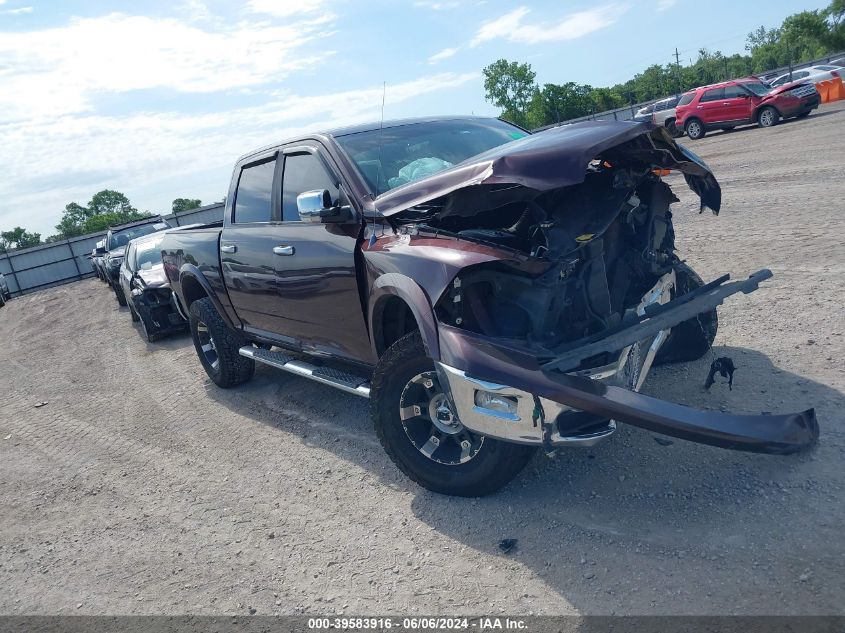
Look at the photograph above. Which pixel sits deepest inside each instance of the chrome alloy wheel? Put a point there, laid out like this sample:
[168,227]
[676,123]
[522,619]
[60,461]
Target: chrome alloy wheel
[431,425]
[767,118]
[694,129]
[207,345]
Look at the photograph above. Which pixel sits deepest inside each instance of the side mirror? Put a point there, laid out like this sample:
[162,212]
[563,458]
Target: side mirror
[316,206]
[101,250]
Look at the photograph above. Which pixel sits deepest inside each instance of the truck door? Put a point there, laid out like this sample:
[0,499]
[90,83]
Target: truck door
[246,246]
[316,280]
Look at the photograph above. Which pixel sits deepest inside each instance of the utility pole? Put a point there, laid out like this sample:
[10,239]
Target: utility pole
[678,70]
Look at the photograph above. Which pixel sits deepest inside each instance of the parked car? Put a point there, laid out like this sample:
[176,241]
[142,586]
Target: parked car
[114,248]
[97,261]
[663,115]
[5,295]
[742,102]
[644,113]
[816,74]
[490,291]
[147,290]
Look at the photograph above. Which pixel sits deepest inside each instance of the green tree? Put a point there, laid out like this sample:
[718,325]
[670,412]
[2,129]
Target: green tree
[510,86]
[18,238]
[185,204]
[106,206]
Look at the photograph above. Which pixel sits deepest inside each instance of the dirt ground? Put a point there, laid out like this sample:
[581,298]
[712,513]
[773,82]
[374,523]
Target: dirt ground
[142,488]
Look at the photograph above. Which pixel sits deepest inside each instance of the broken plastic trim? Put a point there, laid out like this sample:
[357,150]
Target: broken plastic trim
[656,318]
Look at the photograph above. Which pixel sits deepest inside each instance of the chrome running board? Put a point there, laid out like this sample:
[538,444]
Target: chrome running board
[336,378]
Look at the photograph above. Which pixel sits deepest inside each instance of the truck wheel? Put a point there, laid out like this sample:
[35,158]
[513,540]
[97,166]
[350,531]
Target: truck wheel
[423,436]
[217,346]
[691,339]
[768,117]
[695,129]
[118,294]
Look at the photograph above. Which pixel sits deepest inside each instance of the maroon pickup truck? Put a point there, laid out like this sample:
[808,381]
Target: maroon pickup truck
[490,290]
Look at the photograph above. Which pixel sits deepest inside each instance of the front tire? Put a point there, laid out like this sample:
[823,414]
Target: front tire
[691,339]
[768,117]
[424,438]
[217,346]
[695,129]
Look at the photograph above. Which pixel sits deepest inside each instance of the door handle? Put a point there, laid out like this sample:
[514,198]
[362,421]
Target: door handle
[284,250]
[229,248]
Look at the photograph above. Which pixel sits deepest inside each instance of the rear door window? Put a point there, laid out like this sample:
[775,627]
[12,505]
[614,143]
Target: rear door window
[254,196]
[734,92]
[714,94]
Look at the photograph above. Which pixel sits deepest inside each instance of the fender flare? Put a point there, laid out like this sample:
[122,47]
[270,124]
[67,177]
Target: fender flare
[189,271]
[398,285]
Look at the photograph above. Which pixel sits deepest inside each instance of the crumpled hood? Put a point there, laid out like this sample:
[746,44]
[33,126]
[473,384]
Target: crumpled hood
[789,86]
[548,160]
[153,277]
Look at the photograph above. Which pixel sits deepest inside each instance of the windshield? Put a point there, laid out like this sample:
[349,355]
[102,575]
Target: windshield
[396,155]
[757,87]
[122,238]
[148,252]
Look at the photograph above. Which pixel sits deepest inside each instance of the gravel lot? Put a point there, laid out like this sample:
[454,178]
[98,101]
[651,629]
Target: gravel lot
[142,488]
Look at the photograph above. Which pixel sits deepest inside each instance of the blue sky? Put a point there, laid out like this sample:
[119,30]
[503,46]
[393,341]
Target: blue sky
[157,99]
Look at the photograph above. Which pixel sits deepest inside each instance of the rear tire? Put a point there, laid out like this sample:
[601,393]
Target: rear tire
[691,339]
[695,129]
[768,117]
[217,346]
[459,462]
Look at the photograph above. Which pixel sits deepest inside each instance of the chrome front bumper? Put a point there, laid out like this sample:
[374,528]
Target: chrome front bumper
[533,419]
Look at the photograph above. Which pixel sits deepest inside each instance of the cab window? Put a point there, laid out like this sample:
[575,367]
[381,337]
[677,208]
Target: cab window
[254,195]
[303,172]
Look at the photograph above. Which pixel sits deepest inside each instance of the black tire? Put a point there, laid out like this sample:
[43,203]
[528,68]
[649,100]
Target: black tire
[493,463]
[768,117]
[221,362]
[691,339]
[118,294]
[673,129]
[694,129]
[2,300]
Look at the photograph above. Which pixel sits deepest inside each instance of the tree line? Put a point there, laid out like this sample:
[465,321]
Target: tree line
[801,37]
[106,208]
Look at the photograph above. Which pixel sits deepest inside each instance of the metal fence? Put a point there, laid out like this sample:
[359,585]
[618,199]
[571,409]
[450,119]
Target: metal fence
[627,113]
[69,260]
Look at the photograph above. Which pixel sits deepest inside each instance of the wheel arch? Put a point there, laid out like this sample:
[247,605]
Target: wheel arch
[398,305]
[194,286]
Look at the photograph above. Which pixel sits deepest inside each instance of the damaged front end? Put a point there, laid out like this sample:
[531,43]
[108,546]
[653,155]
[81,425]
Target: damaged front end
[550,342]
[155,304]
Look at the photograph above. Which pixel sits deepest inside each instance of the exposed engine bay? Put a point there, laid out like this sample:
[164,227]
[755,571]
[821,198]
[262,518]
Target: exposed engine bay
[607,241]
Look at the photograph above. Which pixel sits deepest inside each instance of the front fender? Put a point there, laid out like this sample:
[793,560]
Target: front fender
[402,286]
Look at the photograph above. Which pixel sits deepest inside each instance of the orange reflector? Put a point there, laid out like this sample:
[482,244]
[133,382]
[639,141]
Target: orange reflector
[662,172]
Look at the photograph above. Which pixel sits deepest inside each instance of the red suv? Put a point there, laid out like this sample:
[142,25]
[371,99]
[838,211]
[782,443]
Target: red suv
[743,102]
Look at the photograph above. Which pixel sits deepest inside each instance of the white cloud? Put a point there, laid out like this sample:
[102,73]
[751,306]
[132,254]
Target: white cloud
[17,11]
[663,5]
[56,71]
[151,156]
[446,53]
[284,8]
[512,28]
